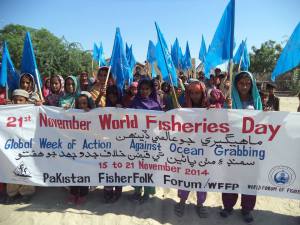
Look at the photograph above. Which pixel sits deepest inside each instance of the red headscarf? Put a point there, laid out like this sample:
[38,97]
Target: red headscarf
[195,86]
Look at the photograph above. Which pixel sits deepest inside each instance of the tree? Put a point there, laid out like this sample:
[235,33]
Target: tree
[263,59]
[53,55]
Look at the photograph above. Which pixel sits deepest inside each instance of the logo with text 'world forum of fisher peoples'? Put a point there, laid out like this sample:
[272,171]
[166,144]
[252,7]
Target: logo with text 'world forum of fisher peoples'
[282,176]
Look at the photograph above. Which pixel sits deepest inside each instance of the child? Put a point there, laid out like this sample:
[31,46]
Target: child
[56,90]
[46,87]
[27,83]
[195,97]
[98,90]
[145,99]
[68,99]
[245,95]
[130,94]
[16,191]
[216,98]
[273,101]
[85,83]
[78,193]
[113,99]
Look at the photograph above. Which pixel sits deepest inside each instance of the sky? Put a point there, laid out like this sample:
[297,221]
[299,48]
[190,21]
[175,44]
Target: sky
[89,21]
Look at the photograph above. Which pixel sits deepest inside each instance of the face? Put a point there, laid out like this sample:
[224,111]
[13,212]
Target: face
[26,83]
[145,91]
[47,84]
[217,81]
[84,79]
[271,91]
[133,90]
[113,98]
[178,90]
[83,102]
[166,88]
[19,99]
[244,86]
[196,96]
[156,85]
[70,86]
[102,76]
[55,85]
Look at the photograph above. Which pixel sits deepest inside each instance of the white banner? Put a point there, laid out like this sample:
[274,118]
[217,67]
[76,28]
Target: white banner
[233,151]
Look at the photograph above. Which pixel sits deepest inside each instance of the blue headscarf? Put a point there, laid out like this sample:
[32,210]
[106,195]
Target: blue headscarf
[236,101]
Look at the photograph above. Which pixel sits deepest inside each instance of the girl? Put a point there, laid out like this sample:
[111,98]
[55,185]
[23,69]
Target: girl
[145,99]
[130,94]
[68,99]
[78,193]
[195,97]
[27,83]
[46,87]
[98,90]
[56,90]
[113,99]
[245,95]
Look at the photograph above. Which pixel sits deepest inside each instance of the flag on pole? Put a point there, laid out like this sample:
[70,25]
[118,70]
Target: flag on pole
[151,58]
[101,60]
[96,53]
[119,64]
[177,55]
[241,56]
[290,55]
[202,53]
[9,77]
[28,64]
[187,58]
[222,45]
[164,59]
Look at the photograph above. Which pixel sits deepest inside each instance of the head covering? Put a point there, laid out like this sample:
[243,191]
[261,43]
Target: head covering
[68,99]
[236,101]
[20,92]
[45,90]
[271,85]
[53,98]
[33,86]
[196,85]
[216,97]
[33,95]
[150,103]
[91,102]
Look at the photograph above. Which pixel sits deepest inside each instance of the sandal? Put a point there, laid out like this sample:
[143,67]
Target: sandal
[201,211]
[226,212]
[179,209]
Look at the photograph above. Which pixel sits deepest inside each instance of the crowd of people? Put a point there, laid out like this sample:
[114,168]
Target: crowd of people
[86,93]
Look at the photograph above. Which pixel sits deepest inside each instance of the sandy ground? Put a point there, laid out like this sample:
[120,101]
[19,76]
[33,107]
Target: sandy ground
[48,207]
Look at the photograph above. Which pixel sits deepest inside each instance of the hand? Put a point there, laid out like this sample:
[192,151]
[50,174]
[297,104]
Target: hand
[229,103]
[103,91]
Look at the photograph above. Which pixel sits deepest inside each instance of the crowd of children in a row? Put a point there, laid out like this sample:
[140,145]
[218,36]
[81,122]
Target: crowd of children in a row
[83,93]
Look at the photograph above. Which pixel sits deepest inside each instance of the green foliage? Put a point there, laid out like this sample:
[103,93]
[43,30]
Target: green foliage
[263,59]
[53,55]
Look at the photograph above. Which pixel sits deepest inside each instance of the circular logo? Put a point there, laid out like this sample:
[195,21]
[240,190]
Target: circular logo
[282,176]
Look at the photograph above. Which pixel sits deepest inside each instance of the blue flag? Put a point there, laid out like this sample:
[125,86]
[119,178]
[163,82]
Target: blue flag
[202,53]
[187,58]
[222,45]
[241,57]
[101,60]
[8,77]
[119,64]
[290,55]
[28,64]
[164,60]
[127,51]
[151,58]
[96,53]
[131,59]
[177,55]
